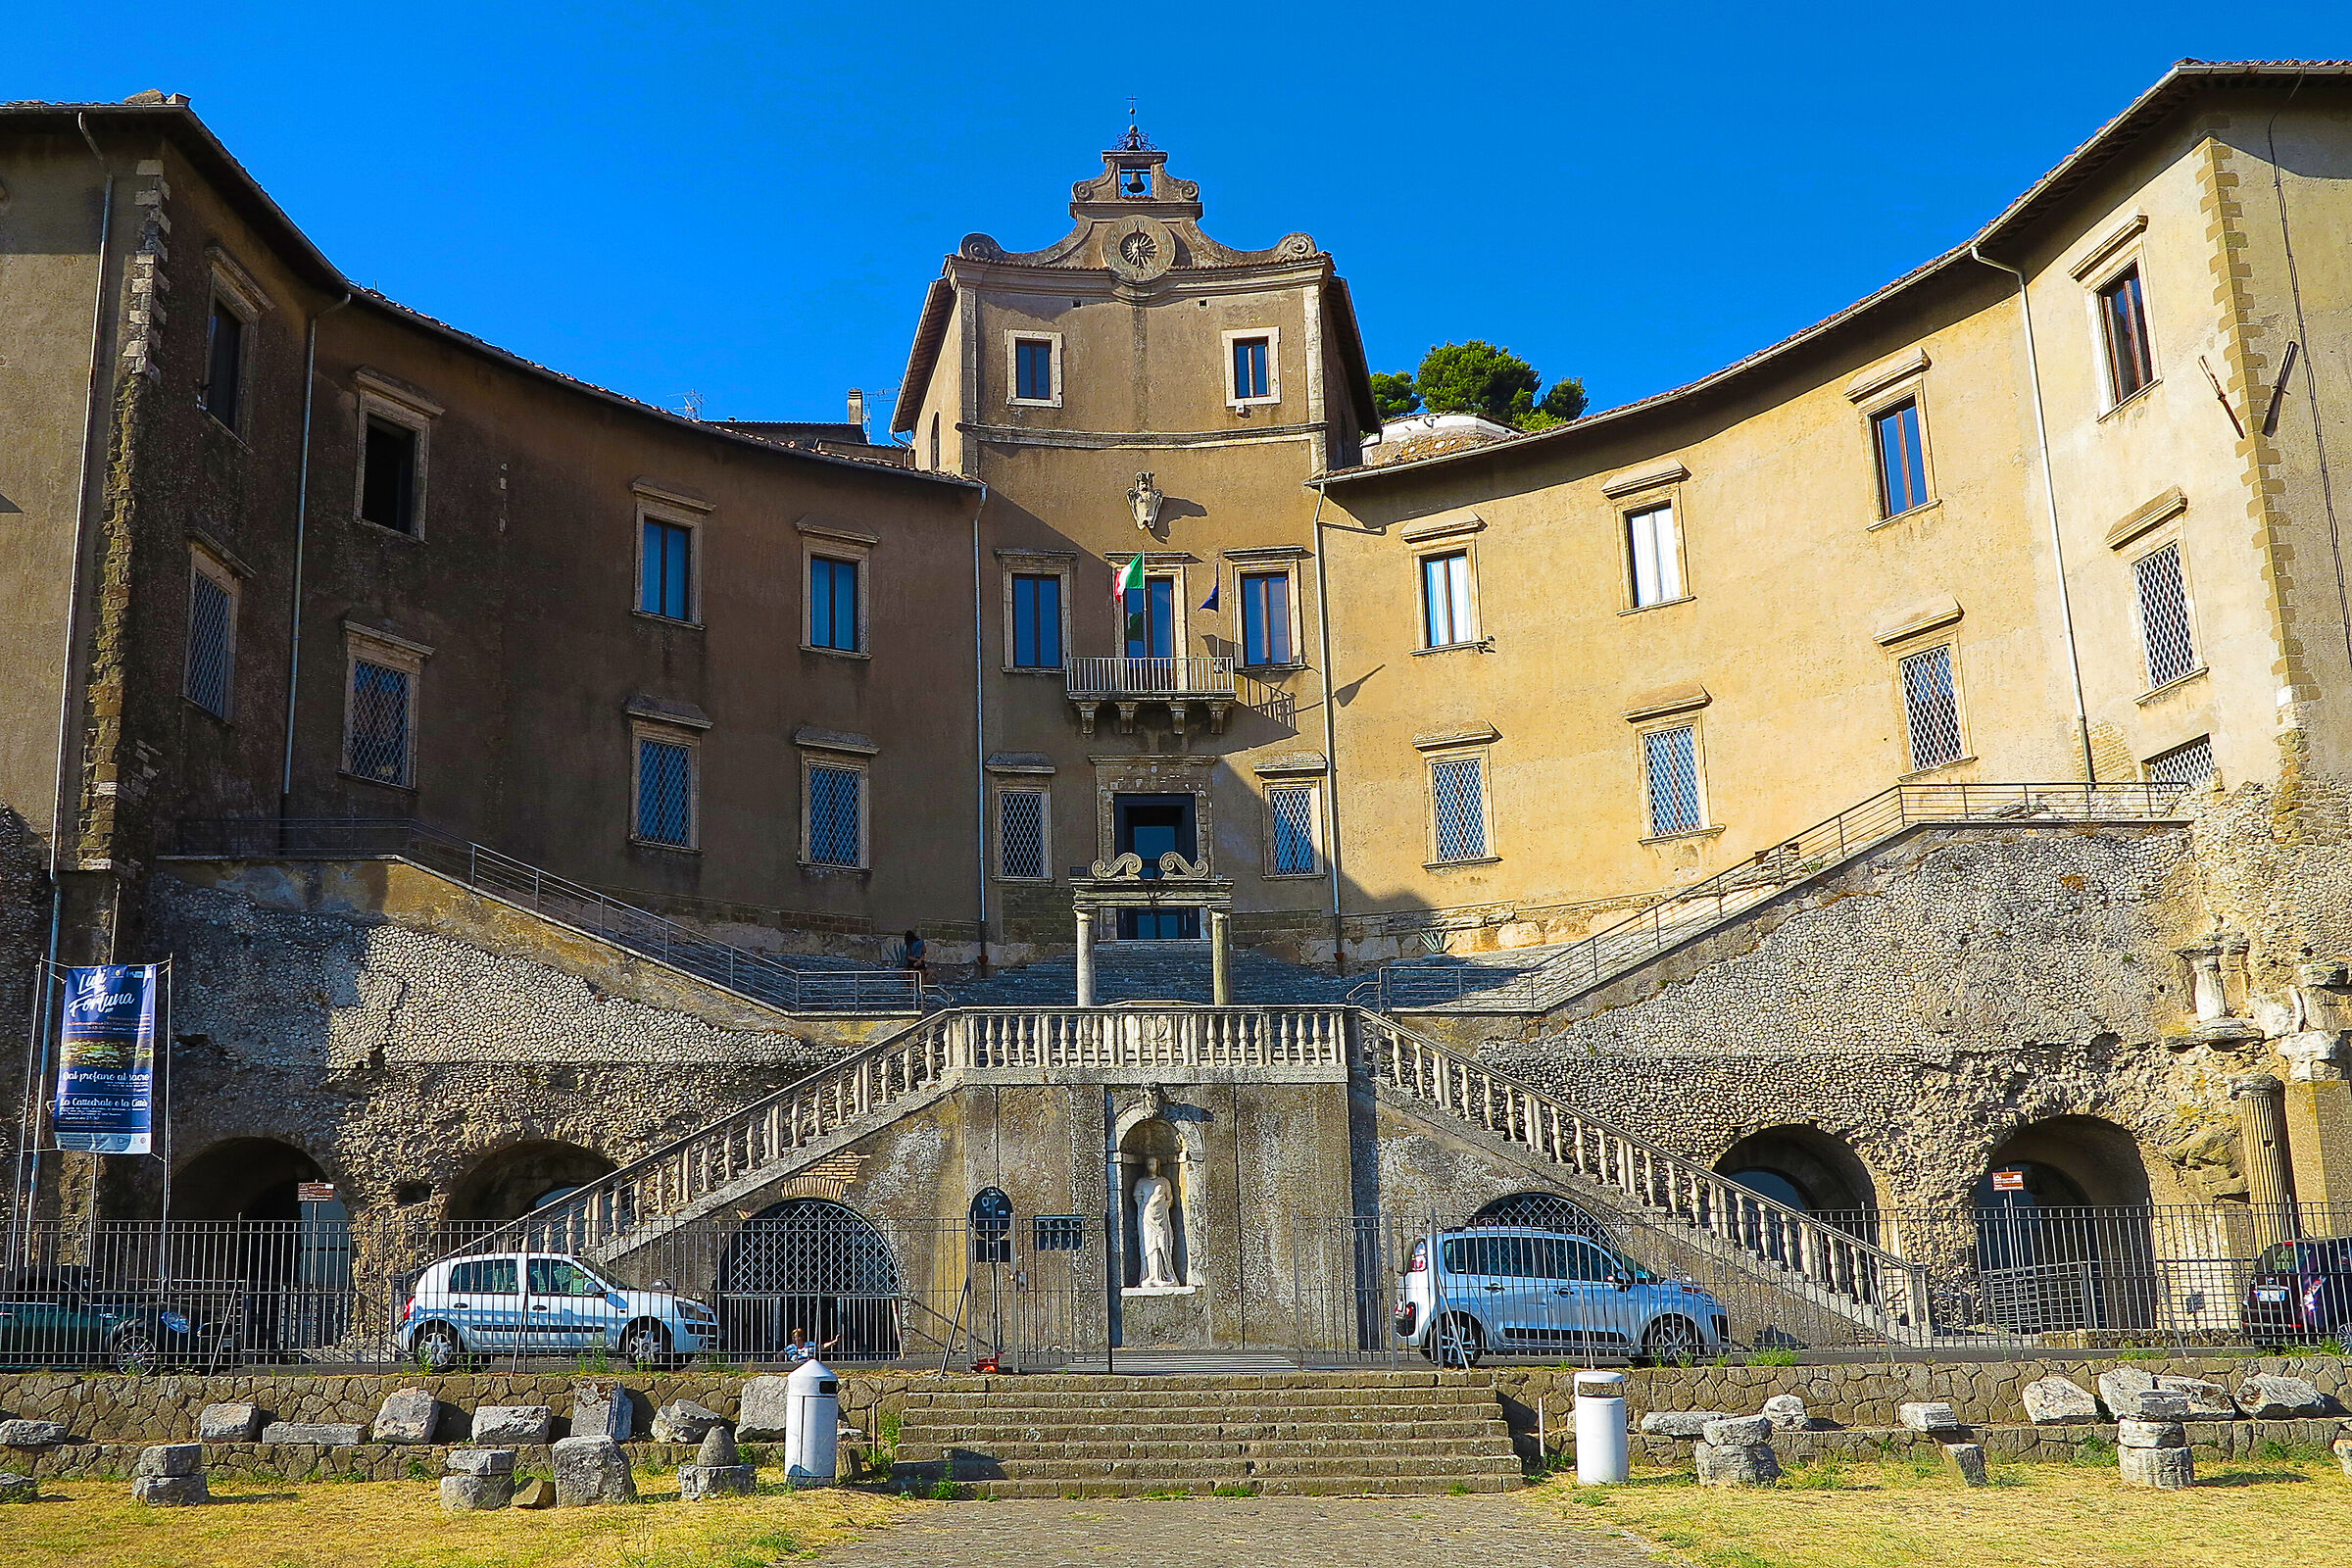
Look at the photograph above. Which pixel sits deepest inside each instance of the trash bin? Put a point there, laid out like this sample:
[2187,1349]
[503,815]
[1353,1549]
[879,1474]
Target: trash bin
[1600,1443]
[813,1425]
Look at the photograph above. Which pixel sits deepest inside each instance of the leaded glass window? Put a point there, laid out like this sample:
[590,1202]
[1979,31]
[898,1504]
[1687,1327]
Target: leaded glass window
[1458,785]
[211,626]
[1293,807]
[2191,763]
[833,816]
[1670,770]
[1932,709]
[1021,834]
[381,712]
[665,791]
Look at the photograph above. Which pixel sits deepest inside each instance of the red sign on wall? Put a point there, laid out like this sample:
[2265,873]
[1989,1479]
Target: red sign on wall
[314,1191]
[2008,1181]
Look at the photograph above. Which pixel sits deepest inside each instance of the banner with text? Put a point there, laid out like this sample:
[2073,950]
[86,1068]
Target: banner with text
[106,1061]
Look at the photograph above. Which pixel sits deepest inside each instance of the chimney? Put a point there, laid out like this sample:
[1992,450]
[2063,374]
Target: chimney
[857,410]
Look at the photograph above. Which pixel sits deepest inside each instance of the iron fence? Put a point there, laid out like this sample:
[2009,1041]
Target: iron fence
[1677,917]
[797,985]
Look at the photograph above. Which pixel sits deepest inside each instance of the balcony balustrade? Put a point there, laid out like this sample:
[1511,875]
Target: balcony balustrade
[1183,684]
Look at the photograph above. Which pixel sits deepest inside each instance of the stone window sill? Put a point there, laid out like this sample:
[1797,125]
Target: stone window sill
[1663,604]
[2157,694]
[825,869]
[2136,397]
[1686,833]
[1918,774]
[1309,876]
[1483,644]
[1448,865]
[1905,515]
[666,620]
[838,653]
[379,783]
[1031,669]
[637,842]
[402,534]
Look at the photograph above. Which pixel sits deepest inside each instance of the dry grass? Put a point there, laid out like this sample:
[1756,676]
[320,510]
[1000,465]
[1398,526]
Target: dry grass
[2285,1513]
[399,1523]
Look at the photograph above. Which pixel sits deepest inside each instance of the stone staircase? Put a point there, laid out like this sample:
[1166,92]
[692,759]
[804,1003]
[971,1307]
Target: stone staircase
[1333,1433]
[1155,971]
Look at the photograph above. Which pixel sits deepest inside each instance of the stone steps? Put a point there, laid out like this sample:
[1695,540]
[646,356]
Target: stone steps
[1321,1433]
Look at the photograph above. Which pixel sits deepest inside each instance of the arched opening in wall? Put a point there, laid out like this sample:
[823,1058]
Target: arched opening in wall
[1806,1169]
[279,1266]
[810,1271]
[1545,1211]
[2062,1235]
[511,1181]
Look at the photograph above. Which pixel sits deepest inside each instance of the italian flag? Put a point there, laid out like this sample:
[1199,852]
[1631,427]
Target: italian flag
[1132,577]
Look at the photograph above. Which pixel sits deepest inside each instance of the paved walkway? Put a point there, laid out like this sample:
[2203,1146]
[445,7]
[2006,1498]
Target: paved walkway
[1494,1528]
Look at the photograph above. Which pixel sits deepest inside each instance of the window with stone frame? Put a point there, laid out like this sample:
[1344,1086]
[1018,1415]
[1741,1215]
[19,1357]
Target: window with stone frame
[1022,852]
[836,822]
[665,791]
[2124,335]
[1459,803]
[1291,813]
[1932,709]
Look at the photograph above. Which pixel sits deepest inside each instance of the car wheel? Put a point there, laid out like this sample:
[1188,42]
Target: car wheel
[645,1345]
[1672,1340]
[438,1347]
[1455,1340]
[134,1350]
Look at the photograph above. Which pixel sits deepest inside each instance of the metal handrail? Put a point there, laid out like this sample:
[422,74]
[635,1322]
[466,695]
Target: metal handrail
[669,1186]
[1832,1266]
[760,977]
[1677,917]
[1184,676]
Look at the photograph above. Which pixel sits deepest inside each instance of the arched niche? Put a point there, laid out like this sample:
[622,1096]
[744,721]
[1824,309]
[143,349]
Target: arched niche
[1171,1134]
[509,1183]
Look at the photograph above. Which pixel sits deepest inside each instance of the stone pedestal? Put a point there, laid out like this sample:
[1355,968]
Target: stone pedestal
[1164,1317]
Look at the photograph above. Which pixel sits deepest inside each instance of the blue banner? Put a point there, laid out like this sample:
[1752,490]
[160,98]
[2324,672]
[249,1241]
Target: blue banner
[106,1061]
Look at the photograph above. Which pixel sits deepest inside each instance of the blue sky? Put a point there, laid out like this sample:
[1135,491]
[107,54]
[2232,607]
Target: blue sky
[746,202]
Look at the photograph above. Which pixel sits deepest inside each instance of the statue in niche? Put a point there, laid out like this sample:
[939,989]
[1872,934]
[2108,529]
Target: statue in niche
[1155,1226]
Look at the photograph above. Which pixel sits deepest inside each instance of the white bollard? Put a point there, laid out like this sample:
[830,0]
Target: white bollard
[1600,1441]
[813,1425]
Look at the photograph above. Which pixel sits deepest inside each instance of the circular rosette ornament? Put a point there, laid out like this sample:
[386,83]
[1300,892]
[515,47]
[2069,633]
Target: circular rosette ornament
[1141,249]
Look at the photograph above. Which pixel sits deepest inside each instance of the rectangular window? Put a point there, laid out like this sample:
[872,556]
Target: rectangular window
[1021,835]
[1657,554]
[1292,807]
[833,816]
[224,365]
[389,476]
[1251,378]
[1033,369]
[382,709]
[1670,775]
[665,791]
[1266,617]
[1932,709]
[2123,330]
[2172,650]
[1902,463]
[833,604]
[1459,789]
[1445,600]
[1035,622]
[2183,764]
[667,588]
[1151,619]
[212,641]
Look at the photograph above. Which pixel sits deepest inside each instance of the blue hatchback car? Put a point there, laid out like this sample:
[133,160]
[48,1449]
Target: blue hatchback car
[538,1303]
[1519,1290]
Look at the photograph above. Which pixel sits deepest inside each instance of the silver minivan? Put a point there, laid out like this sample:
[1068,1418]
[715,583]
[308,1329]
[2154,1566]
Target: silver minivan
[1520,1290]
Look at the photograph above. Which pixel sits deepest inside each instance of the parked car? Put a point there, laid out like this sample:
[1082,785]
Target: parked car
[69,1316]
[536,1304]
[1506,1288]
[2302,1290]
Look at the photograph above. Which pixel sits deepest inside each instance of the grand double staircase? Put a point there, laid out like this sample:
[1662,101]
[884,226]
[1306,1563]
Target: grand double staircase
[1688,1215]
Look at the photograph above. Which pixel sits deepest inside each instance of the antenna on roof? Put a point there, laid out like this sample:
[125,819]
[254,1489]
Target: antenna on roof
[692,405]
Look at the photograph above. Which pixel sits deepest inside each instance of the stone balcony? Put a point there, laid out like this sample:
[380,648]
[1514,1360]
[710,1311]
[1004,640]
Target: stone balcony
[1184,685]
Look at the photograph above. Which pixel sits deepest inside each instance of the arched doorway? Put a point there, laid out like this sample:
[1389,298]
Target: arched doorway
[1548,1211]
[2062,1229]
[1806,1169]
[509,1183]
[282,1265]
[808,1268]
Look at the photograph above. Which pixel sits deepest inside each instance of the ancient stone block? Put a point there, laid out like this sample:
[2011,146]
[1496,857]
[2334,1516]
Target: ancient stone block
[1968,1460]
[2056,1399]
[169,1491]
[170,1459]
[719,1448]
[2267,1397]
[480,1462]
[2344,1454]
[2136,1434]
[2200,1400]
[329,1434]
[513,1423]
[1742,1464]
[535,1495]
[32,1434]
[476,1494]
[592,1470]
[229,1423]
[1787,1413]
[2169,1469]
[1737,1431]
[602,1411]
[765,1413]
[684,1421]
[1688,1425]
[407,1415]
[2121,1388]
[15,1487]
[697,1482]
[1934,1416]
